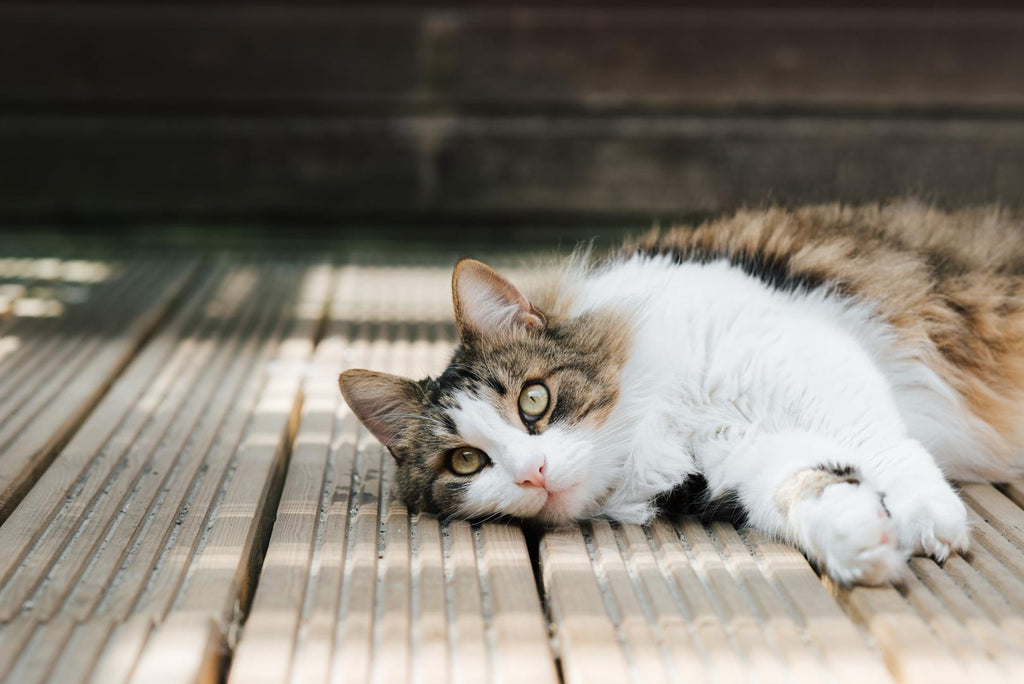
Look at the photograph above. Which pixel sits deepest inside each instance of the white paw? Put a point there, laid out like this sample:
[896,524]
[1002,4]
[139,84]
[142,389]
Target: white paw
[930,519]
[851,535]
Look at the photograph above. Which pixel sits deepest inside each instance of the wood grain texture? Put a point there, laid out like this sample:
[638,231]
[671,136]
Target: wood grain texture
[163,492]
[512,166]
[59,401]
[642,60]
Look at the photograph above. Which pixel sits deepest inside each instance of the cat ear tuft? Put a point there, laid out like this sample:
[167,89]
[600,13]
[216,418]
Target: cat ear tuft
[383,402]
[487,304]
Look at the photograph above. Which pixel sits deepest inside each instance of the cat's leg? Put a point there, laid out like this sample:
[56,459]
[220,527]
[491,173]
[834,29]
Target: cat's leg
[929,516]
[807,490]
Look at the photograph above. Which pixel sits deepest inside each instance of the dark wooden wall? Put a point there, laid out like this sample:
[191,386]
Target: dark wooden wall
[225,110]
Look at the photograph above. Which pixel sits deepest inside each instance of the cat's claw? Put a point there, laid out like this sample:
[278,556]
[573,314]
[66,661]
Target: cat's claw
[931,523]
[853,537]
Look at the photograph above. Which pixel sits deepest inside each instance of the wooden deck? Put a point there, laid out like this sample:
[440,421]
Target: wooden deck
[185,497]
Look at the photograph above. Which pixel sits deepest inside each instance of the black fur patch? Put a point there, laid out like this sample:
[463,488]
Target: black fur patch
[775,271]
[449,424]
[496,385]
[565,406]
[692,498]
[846,472]
[458,376]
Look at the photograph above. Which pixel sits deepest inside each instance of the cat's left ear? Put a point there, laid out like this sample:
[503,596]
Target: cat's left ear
[487,304]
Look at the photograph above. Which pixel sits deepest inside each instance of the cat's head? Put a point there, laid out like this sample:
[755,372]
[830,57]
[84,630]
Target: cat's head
[510,427]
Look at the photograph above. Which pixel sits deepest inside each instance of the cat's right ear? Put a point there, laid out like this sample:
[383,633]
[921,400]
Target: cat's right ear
[488,304]
[383,402]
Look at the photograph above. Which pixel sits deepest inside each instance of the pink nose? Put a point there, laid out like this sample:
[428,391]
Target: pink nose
[534,477]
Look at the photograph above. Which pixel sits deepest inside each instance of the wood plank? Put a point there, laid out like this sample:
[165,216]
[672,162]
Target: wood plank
[469,655]
[392,597]
[744,623]
[645,645]
[803,661]
[522,650]
[687,663]
[185,649]
[120,654]
[588,646]
[41,652]
[967,631]
[154,371]
[999,511]
[84,455]
[430,615]
[80,655]
[696,604]
[163,554]
[227,367]
[911,650]
[24,459]
[480,167]
[194,406]
[219,575]
[844,647]
[595,59]
[315,643]
[995,544]
[40,346]
[112,512]
[265,650]
[1009,619]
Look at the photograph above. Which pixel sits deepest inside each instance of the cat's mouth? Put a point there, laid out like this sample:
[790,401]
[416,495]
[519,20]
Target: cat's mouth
[558,505]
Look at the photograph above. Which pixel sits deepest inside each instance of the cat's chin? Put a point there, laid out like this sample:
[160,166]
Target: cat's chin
[561,508]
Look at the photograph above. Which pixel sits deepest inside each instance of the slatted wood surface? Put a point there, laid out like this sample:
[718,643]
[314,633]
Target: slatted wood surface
[217,512]
[498,110]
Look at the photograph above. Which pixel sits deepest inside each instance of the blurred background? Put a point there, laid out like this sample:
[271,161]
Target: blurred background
[494,120]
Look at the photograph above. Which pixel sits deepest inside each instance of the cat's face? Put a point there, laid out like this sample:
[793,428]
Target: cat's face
[511,426]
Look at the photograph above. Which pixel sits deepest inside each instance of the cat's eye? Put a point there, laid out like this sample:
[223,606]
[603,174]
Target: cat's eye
[467,460]
[533,401]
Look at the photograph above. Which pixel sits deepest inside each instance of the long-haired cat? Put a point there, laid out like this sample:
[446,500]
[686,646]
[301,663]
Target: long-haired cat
[821,371]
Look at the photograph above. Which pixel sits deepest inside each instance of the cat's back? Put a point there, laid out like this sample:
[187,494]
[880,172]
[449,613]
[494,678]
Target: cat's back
[854,246]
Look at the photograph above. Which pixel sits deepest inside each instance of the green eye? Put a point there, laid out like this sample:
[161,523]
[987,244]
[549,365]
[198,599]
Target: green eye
[467,460]
[533,401]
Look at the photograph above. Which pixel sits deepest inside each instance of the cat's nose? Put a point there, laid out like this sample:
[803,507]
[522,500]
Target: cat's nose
[532,476]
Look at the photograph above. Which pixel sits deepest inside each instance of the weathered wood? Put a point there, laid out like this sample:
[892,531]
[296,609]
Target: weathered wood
[693,600]
[61,409]
[219,576]
[745,625]
[522,651]
[911,650]
[589,647]
[845,649]
[645,60]
[644,644]
[508,166]
[685,658]
[964,627]
[802,660]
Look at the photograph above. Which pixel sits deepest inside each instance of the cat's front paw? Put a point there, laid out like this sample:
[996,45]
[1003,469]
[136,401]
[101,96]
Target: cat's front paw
[852,535]
[929,520]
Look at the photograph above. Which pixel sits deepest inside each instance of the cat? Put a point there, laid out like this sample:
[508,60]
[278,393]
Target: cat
[820,372]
